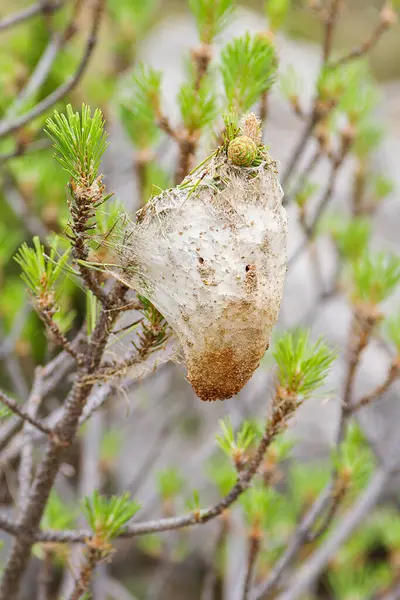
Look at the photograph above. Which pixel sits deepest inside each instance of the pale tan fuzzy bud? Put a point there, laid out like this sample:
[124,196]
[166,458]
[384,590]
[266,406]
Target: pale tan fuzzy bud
[388,14]
[252,127]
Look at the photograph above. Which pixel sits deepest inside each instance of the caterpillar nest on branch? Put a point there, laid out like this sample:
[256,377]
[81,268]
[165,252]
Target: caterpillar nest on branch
[210,254]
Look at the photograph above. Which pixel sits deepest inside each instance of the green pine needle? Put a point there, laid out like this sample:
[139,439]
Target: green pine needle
[230,442]
[352,237]
[306,192]
[39,271]
[211,17]
[368,138]
[139,100]
[290,83]
[262,506]
[302,365]
[382,187]
[108,516]
[79,142]
[169,483]
[57,514]
[199,107]
[193,503]
[375,277]
[248,66]
[354,456]
[277,11]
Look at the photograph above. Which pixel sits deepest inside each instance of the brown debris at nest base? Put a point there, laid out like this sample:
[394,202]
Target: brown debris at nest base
[221,373]
[235,344]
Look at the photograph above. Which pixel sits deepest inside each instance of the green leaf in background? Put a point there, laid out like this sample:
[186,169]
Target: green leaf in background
[139,98]
[248,67]
[302,365]
[211,17]
[198,107]
[277,11]
[107,516]
[375,276]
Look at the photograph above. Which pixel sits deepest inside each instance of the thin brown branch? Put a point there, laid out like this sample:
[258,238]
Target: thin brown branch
[299,149]
[303,176]
[210,579]
[388,18]
[187,150]
[9,126]
[330,23]
[338,495]
[47,7]
[25,473]
[24,414]
[45,575]
[93,557]
[46,61]
[253,551]
[317,112]
[188,138]
[364,321]
[164,124]
[336,165]
[58,336]
[393,374]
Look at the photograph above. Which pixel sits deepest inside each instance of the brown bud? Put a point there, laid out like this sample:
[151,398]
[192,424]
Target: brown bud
[388,15]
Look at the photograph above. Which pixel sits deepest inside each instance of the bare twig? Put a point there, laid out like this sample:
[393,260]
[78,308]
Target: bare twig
[9,126]
[45,62]
[388,18]
[90,480]
[393,374]
[19,17]
[210,580]
[24,414]
[254,549]
[338,494]
[57,335]
[45,575]
[330,22]
[26,464]
[188,139]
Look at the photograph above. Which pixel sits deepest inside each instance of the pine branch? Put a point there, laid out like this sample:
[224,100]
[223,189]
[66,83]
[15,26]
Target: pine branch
[253,551]
[388,18]
[62,436]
